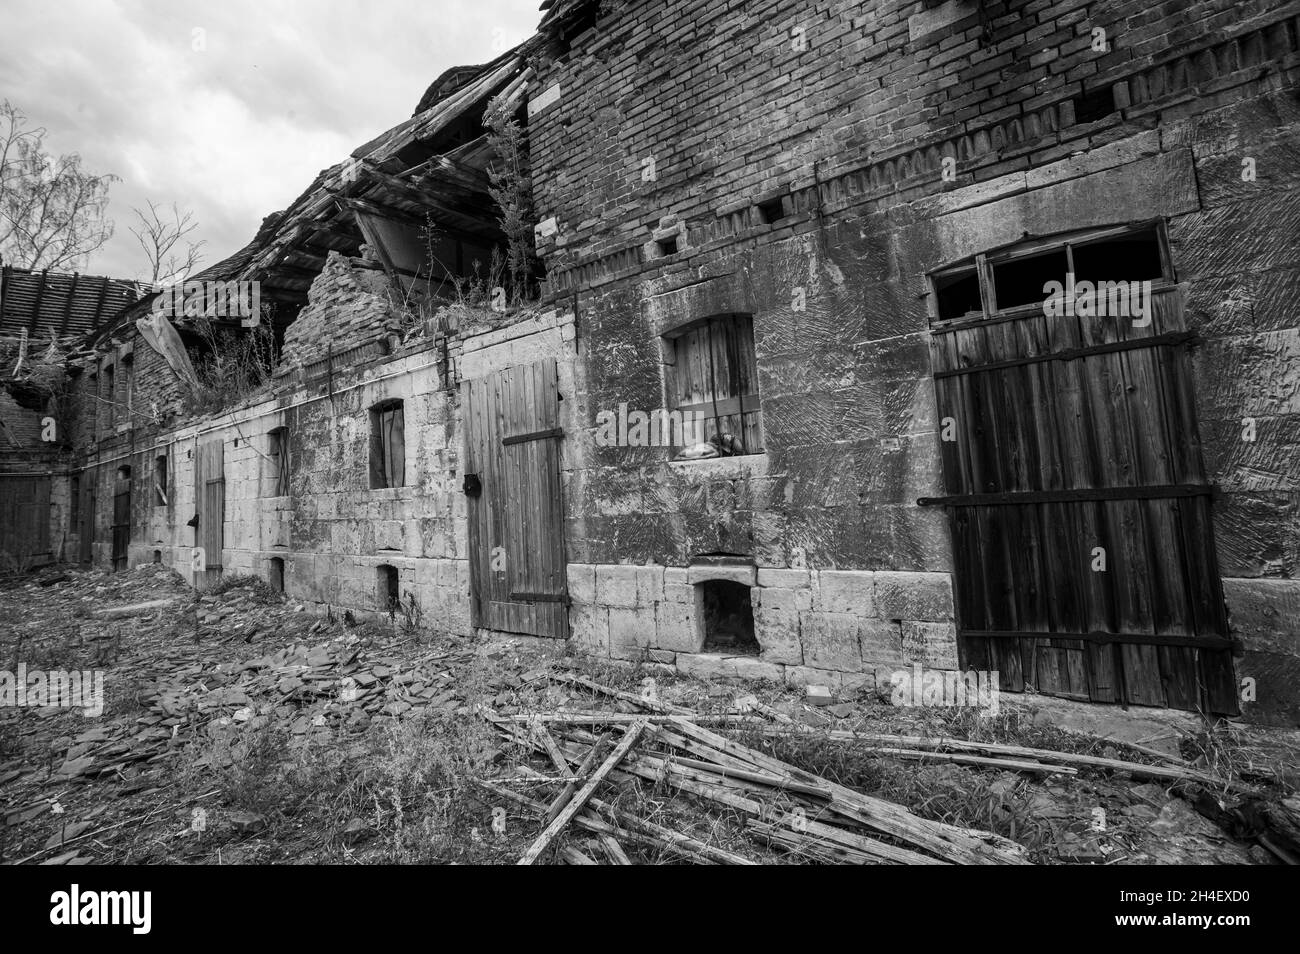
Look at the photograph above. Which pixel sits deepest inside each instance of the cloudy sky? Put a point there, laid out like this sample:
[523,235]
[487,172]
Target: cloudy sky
[230,107]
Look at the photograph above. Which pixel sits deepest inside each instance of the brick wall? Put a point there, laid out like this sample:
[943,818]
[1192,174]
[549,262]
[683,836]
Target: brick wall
[347,307]
[1044,134]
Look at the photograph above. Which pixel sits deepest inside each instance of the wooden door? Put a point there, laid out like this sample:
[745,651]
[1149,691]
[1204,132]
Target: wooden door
[86,524]
[518,577]
[1081,515]
[25,520]
[121,523]
[210,505]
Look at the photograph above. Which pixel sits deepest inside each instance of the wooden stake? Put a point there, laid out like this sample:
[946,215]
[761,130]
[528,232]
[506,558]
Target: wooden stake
[575,805]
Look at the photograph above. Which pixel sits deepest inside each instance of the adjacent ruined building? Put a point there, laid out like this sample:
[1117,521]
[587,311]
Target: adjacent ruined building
[845,337]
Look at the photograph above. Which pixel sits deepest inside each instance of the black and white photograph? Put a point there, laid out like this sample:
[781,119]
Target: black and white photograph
[650,432]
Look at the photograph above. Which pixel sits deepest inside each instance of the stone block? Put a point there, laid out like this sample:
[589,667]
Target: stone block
[777,632]
[881,642]
[839,682]
[679,593]
[589,629]
[933,644]
[714,666]
[616,586]
[678,628]
[845,591]
[632,631]
[830,641]
[1264,614]
[747,575]
[649,585]
[582,582]
[787,579]
[916,596]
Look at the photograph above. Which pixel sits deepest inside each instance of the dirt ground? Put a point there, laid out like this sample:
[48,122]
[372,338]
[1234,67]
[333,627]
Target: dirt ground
[240,728]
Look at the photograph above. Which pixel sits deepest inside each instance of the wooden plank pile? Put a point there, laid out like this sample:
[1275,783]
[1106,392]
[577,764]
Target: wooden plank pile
[782,805]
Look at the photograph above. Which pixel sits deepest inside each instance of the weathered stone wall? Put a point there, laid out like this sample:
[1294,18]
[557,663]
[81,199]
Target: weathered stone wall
[851,133]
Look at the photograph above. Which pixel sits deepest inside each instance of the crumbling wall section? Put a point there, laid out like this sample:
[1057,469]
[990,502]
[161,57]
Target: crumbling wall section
[346,307]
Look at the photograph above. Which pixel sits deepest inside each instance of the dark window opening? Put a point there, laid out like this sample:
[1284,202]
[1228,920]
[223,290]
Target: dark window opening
[667,246]
[275,574]
[1134,257]
[388,594]
[110,395]
[1094,105]
[124,472]
[387,445]
[958,294]
[715,379]
[1105,259]
[728,618]
[128,388]
[278,462]
[1020,281]
[773,210]
[160,481]
[157,556]
[74,509]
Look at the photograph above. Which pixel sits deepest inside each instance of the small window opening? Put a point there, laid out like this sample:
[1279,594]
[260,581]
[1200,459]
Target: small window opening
[388,594]
[157,556]
[715,379]
[958,294]
[773,210]
[1094,105]
[387,445]
[160,481]
[1131,258]
[1020,281]
[110,395]
[278,461]
[667,246]
[728,618]
[275,574]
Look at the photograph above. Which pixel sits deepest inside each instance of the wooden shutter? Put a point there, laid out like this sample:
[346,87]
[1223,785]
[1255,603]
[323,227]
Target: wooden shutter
[717,379]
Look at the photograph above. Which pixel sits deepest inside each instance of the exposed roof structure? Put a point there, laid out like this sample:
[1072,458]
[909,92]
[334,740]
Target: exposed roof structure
[433,164]
[45,303]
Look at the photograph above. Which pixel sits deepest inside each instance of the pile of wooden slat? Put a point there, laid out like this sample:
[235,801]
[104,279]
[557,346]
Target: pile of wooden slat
[782,806]
[1008,757]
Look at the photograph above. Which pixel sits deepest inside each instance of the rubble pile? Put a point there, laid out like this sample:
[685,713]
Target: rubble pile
[593,764]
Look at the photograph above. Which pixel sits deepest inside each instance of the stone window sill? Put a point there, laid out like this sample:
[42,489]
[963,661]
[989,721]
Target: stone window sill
[747,465]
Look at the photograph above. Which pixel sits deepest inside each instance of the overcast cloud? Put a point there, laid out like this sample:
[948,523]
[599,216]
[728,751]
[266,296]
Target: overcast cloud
[233,131]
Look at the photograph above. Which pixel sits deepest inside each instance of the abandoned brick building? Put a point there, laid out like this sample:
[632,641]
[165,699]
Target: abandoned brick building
[823,234]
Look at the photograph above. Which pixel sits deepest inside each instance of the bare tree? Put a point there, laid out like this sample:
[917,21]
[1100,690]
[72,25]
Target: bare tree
[51,210]
[171,256]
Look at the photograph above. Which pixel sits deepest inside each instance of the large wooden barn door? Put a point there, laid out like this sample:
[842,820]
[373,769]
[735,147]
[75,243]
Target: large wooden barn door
[210,505]
[25,520]
[1081,515]
[516,515]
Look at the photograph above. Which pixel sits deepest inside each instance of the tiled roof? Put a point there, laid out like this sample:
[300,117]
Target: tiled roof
[54,302]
